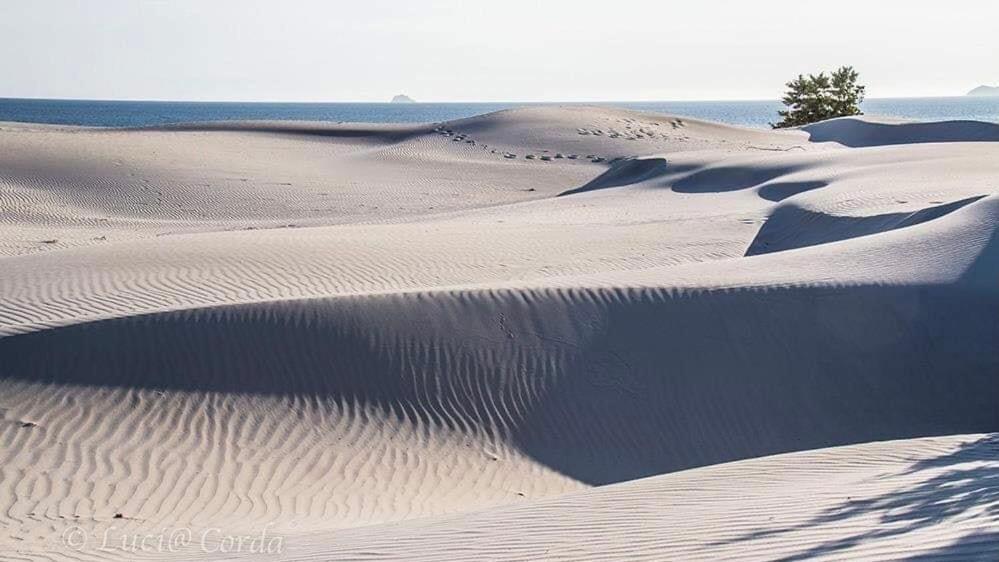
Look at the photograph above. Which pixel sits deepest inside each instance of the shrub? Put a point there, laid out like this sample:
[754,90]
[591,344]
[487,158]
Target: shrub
[820,97]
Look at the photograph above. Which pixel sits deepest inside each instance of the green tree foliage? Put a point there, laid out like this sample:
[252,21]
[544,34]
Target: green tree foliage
[820,97]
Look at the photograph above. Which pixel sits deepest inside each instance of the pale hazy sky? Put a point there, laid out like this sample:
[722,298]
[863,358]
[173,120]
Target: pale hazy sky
[487,50]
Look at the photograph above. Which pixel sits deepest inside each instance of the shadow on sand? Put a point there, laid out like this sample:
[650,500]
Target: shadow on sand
[960,483]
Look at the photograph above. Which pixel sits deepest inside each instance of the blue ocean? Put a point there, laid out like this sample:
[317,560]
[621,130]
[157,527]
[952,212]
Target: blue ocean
[745,113]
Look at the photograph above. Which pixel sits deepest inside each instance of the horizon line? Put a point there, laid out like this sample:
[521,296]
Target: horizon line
[427,102]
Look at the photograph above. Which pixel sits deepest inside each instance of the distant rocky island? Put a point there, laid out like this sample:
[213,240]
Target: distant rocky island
[403,98]
[985,91]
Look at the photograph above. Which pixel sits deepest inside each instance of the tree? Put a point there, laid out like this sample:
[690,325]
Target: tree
[820,97]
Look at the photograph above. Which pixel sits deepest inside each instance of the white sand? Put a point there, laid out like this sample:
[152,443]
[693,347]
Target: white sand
[353,336]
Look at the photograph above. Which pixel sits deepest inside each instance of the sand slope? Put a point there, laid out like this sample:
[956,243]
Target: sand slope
[920,499]
[305,328]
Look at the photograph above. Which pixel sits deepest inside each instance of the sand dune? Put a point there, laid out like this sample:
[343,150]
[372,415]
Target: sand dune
[918,499]
[352,336]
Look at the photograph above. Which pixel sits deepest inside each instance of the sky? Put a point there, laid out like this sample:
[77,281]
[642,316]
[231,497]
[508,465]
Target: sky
[487,50]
